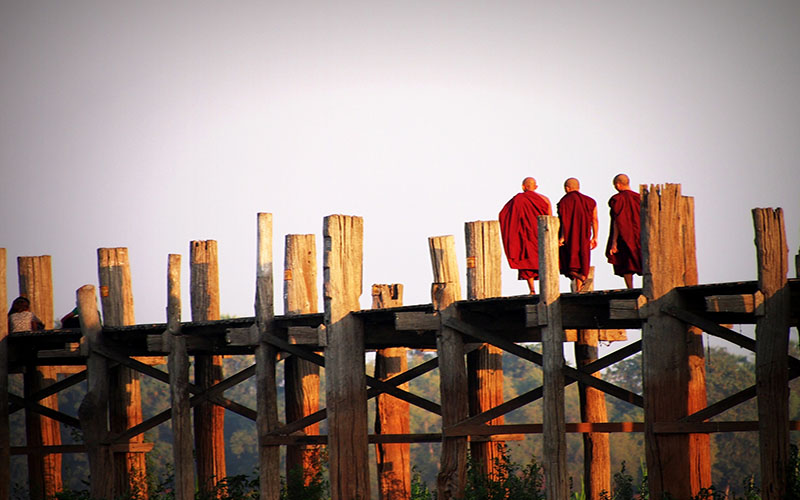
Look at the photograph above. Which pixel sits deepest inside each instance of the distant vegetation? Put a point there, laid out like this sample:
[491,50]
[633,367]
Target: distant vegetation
[734,455]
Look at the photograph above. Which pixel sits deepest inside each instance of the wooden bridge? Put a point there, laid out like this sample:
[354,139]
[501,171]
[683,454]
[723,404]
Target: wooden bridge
[672,310]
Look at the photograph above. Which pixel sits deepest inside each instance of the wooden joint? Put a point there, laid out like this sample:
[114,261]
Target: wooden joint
[628,308]
[607,335]
[240,337]
[307,335]
[417,321]
[535,315]
[158,343]
[748,303]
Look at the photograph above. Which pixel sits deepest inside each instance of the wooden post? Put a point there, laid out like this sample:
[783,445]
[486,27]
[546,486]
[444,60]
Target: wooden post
[554,424]
[93,411]
[269,459]
[445,291]
[772,348]
[484,365]
[116,296]
[44,470]
[346,394]
[797,265]
[301,377]
[5,436]
[178,367]
[596,448]
[672,352]
[209,419]
[391,414]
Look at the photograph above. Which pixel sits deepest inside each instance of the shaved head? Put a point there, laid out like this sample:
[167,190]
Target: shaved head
[529,184]
[572,184]
[622,180]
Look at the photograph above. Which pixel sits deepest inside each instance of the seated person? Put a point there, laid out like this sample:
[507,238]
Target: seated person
[20,317]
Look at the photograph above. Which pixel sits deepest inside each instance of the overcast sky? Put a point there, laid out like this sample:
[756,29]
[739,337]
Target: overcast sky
[149,124]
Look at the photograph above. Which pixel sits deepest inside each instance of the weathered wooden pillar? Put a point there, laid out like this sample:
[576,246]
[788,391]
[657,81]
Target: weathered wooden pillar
[209,419]
[797,265]
[672,352]
[445,291]
[44,470]
[269,459]
[5,436]
[125,392]
[596,448]
[346,393]
[391,414]
[302,377]
[178,367]
[772,348]
[93,411]
[484,365]
[554,423]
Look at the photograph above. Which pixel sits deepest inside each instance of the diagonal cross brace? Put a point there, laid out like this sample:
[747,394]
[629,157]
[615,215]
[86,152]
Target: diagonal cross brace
[211,394]
[163,376]
[538,392]
[573,373]
[43,410]
[386,387]
[51,389]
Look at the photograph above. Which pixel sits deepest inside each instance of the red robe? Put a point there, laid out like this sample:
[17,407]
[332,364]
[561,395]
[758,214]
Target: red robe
[575,212]
[520,231]
[625,209]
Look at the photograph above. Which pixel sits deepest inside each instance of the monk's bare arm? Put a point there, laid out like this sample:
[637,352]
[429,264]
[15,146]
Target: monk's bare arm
[594,228]
[549,205]
[614,235]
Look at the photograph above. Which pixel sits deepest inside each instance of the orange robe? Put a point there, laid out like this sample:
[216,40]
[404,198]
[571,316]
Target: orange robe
[625,209]
[520,231]
[575,212]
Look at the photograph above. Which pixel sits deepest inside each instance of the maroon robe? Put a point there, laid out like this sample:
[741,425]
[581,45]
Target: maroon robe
[520,231]
[625,208]
[575,212]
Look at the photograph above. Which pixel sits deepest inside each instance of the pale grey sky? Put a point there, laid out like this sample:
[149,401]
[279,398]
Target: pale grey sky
[150,124]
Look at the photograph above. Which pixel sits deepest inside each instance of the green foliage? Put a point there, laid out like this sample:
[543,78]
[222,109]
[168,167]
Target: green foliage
[294,487]
[793,474]
[419,490]
[73,495]
[622,488]
[509,480]
[577,495]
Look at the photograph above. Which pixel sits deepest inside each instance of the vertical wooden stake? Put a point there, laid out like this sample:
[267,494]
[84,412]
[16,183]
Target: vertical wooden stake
[209,419]
[391,414]
[116,296]
[485,365]
[5,436]
[44,471]
[445,291]
[596,448]
[672,353]
[554,424]
[301,388]
[797,265]
[93,411]
[772,348]
[178,367]
[348,449]
[266,357]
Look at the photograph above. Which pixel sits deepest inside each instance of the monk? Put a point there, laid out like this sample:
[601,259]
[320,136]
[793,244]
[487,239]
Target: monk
[520,230]
[624,248]
[578,233]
